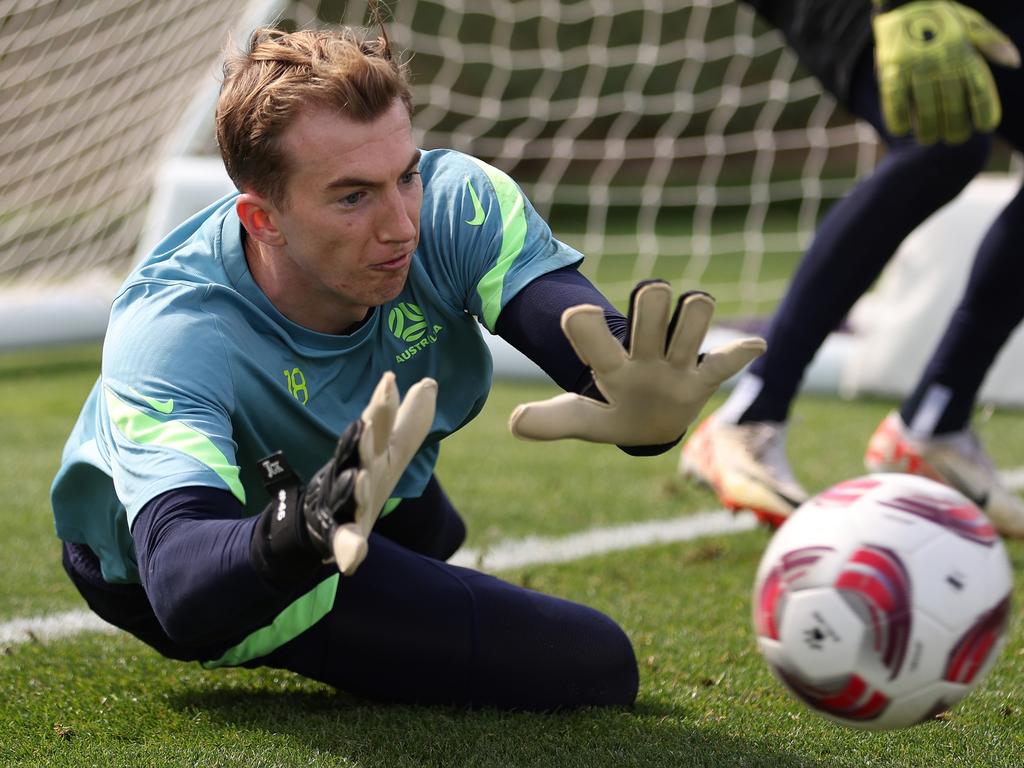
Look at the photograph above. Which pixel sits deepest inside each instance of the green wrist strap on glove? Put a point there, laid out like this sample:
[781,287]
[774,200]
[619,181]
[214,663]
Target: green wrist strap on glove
[932,75]
[654,387]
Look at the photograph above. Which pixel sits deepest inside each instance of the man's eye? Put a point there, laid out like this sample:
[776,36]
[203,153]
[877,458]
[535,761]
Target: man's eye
[409,177]
[352,199]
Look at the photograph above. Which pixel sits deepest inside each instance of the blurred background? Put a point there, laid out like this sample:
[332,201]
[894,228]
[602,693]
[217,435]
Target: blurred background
[678,140]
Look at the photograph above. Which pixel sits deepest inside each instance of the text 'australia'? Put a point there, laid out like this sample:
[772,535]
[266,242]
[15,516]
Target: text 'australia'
[423,343]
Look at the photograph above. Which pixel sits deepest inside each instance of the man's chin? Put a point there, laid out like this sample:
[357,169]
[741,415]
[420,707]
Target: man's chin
[391,288]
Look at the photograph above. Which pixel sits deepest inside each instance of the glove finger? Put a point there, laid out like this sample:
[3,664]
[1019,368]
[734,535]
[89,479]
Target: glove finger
[585,328]
[381,396]
[983,97]
[926,119]
[369,500]
[346,450]
[893,93]
[648,320]
[689,327]
[954,110]
[372,489]
[724,362]
[1001,51]
[563,416]
[988,38]
[379,418]
[349,547]
[412,423]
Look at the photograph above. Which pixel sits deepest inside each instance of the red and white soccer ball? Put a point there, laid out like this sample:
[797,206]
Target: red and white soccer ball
[883,601]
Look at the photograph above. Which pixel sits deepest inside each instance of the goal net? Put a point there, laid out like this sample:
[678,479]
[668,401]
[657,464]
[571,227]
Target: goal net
[672,139]
[663,139]
[93,92]
[677,140]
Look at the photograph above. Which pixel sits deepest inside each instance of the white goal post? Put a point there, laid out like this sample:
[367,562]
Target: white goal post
[95,95]
[673,139]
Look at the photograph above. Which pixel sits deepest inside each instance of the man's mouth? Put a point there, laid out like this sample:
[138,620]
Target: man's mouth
[399,262]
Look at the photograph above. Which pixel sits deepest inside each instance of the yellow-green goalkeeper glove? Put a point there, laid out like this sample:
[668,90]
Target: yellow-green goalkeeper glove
[654,388]
[932,75]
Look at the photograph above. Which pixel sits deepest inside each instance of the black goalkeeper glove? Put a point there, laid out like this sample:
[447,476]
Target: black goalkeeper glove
[294,534]
[331,518]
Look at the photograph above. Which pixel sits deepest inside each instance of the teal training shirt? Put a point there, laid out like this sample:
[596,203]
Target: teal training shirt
[202,376]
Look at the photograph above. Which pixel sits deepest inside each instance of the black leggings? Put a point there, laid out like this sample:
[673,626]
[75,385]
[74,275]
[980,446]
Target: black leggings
[409,627]
[861,232]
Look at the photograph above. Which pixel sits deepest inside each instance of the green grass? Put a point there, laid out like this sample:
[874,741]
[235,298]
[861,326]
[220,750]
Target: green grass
[706,699]
[614,274]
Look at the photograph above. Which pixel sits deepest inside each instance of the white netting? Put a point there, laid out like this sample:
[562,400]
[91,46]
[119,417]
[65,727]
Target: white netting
[661,138]
[678,140]
[91,90]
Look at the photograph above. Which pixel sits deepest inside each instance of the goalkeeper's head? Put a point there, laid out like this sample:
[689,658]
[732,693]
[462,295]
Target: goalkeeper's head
[353,72]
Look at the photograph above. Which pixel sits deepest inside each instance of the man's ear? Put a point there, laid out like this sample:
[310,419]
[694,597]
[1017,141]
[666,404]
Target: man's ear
[259,217]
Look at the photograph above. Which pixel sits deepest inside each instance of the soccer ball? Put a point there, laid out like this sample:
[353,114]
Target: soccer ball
[883,601]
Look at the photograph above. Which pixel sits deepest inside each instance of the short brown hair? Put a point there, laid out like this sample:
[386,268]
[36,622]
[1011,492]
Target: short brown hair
[281,74]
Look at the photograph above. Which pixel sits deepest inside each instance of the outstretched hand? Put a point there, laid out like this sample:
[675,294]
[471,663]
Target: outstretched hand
[392,433]
[932,75]
[654,387]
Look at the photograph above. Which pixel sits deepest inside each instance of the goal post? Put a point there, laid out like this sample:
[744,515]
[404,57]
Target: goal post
[94,95]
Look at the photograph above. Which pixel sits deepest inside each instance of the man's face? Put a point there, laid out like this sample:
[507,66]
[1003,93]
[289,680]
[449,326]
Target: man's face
[350,222]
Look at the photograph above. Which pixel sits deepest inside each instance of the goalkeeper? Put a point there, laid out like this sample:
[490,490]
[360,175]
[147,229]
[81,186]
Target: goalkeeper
[219,495]
[937,80]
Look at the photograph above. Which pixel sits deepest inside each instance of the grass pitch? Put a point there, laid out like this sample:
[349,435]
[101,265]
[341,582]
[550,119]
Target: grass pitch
[706,699]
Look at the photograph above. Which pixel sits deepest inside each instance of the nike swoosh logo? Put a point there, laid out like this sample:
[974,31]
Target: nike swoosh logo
[164,407]
[478,210]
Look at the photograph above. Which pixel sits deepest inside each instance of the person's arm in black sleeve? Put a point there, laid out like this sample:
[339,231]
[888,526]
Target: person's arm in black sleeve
[194,550]
[530,322]
[207,569]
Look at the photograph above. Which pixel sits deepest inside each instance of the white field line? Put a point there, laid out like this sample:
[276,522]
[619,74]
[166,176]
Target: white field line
[535,550]
[502,556]
[52,627]
[506,555]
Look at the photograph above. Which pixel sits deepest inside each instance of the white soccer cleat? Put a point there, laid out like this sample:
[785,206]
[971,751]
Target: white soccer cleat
[957,459]
[746,466]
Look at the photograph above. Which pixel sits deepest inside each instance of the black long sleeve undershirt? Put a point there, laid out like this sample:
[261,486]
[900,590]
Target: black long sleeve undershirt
[531,322]
[192,546]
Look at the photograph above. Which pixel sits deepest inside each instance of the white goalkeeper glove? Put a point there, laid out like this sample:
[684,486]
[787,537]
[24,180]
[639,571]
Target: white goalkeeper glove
[654,387]
[392,433]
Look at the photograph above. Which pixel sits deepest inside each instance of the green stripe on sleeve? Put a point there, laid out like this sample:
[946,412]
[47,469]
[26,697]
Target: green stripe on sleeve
[513,223]
[286,626]
[142,428]
[389,505]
